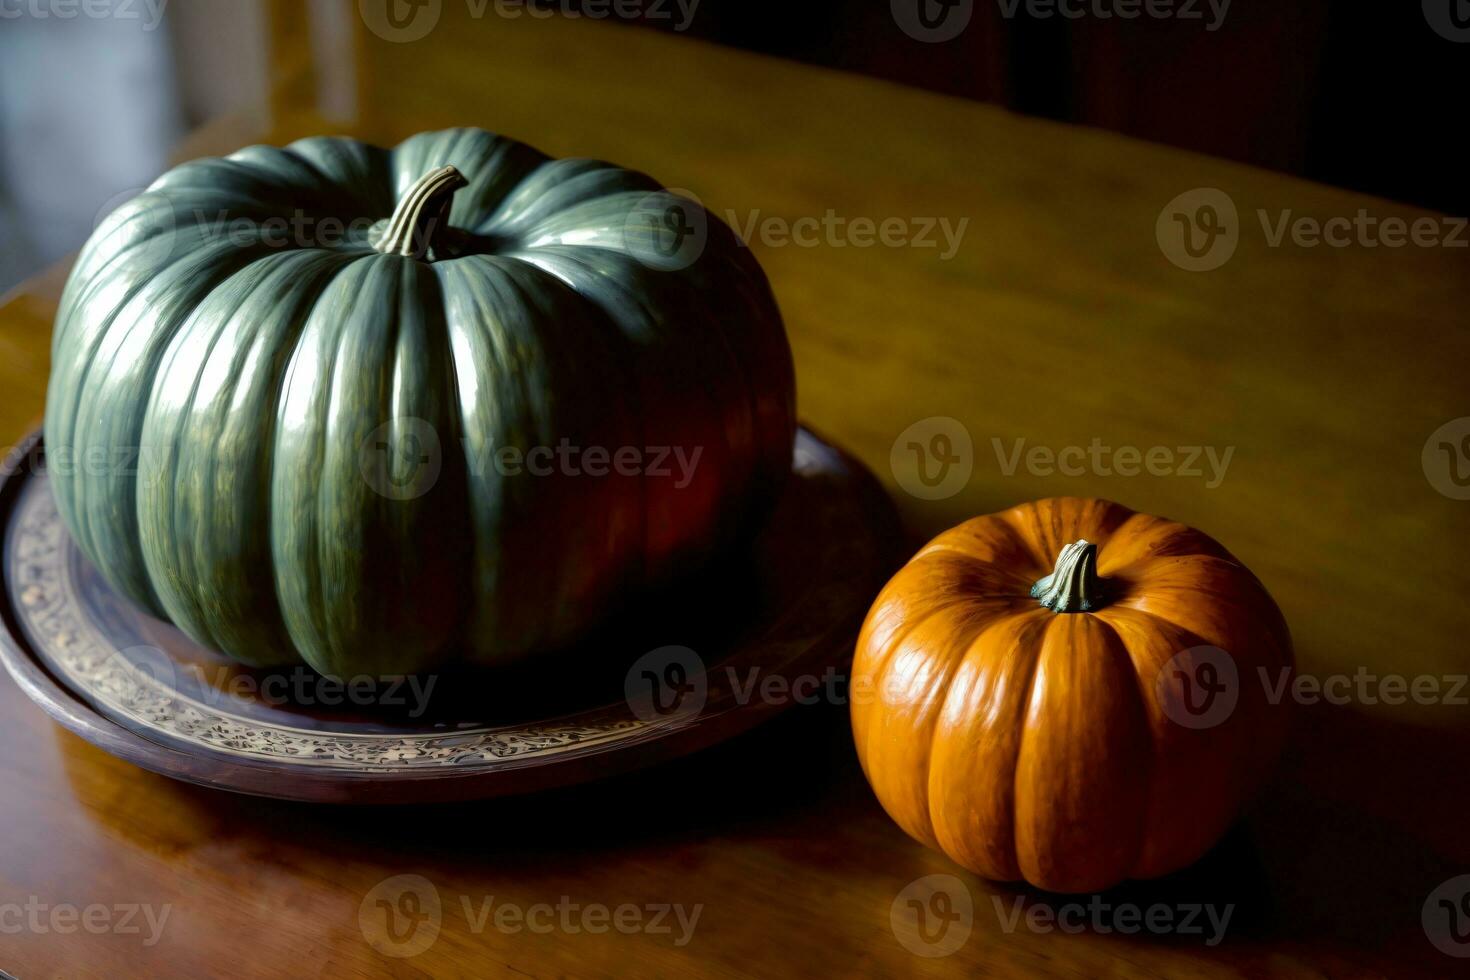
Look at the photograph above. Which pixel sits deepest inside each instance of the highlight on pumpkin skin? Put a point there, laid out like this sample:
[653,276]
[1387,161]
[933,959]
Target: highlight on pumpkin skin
[1071,752]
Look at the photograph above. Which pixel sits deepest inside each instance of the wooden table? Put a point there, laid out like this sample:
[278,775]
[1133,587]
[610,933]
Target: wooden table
[1059,320]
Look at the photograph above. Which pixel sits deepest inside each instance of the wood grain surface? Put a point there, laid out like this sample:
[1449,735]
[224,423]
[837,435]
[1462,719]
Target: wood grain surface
[1059,319]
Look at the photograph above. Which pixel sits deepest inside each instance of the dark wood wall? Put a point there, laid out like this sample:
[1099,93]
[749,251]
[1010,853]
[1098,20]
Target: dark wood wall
[1364,94]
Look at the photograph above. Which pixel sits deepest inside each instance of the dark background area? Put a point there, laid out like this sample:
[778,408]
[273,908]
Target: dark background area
[1362,95]
[1365,96]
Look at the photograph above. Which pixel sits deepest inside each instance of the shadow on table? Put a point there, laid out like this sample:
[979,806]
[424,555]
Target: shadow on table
[1362,822]
[770,780]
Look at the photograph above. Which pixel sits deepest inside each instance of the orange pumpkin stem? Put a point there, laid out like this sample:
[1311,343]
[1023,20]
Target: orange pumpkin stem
[1073,586]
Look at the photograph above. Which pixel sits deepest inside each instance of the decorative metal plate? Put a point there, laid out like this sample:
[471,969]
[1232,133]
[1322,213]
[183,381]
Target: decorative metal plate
[685,669]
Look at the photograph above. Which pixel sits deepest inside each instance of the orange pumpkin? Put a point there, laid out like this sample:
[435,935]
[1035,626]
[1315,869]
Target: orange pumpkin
[1069,693]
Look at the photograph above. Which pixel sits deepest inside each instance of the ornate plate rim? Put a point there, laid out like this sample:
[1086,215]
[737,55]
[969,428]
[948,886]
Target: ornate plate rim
[297,778]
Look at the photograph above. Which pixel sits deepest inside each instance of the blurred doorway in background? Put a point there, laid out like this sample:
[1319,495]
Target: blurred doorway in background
[95,96]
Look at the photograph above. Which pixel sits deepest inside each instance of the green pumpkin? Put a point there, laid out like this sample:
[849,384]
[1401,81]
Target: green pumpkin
[377,409]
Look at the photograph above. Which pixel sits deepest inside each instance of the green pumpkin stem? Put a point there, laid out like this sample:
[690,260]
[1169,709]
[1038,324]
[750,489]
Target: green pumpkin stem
[1073,586]
[422,214]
